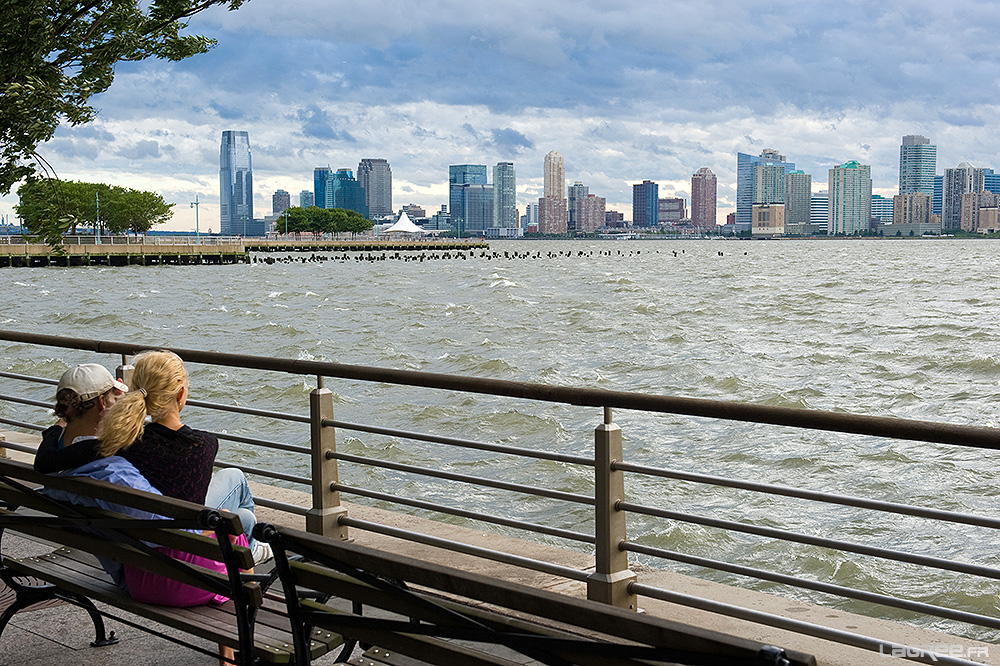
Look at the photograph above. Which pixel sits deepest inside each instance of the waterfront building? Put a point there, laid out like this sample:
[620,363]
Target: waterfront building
[936,200]
[343,191]
[911,209]
[439,221]
[320,176]
[704,189]
[504,196]
[591,214]
[670,211]
[235,184]
[956,182]
[769,183]
[414,212]
[574,204]
[461,196]
[553,215]
[745,176]
[798,197]
[917,164]
[850,199]
[306,199]
[972,205]
[614,219]
[882,209]
[645,204]
[819,210]
[991,181]
[375,177]
[280,202]
[530,216]
[554,175]
[768,220]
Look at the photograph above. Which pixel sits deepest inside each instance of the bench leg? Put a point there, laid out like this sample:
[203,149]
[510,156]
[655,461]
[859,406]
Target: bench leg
[103,637]
[25,596]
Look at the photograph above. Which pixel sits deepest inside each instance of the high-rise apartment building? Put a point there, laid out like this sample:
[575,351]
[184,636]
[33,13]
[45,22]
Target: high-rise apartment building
[235,184]
[850,199]
[343,191]
[911,209]
[882,209]
[645,204]
[963,178]
[375,176]
[552,215]
[590,215]
[972,205]
[554,175]
[917,164]
[746,196]
[819,210]
[704,187]
[575,200]
[306,199]
[670,211]
[320,176]
[280,202]
[768,184]
[798,201]
[504,195]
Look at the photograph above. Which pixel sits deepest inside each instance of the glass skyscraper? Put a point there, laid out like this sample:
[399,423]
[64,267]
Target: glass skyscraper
[375,176]
[504,195]
[343,191]
[465,204]
[645,204]
[917,164]
[235,184]
[746,177]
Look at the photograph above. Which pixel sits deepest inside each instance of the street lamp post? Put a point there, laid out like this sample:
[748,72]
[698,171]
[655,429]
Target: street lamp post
[286,222]
[197,235]
[97,224]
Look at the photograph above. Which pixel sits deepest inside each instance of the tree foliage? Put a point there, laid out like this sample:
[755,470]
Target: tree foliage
[322,220]
[49,208]
[56,54]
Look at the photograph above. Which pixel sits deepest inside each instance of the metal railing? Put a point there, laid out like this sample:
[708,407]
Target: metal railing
[607,538]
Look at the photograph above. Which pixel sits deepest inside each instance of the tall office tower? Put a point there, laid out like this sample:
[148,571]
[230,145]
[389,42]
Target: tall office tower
[745,176]
[911,209]
[704,187]
[575,200]
[917,164]
[991,181]
[460,175]
[235,183]
[280,202]
[554,175]
[504,195]
[819,210]
[963,178]
[320,176]
[375,176]
[343,191]
[798,196]
[670,211]
[552,215]
[645,204]
[850,199]
[882,209]
[306,199]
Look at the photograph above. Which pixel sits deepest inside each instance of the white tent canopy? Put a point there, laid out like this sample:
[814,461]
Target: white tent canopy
[404,226]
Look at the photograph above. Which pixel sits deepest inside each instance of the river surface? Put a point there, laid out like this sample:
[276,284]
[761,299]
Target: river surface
[905,328]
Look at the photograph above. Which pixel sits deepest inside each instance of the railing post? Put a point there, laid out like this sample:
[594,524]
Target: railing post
[326,510]
[611,581]
[124,372]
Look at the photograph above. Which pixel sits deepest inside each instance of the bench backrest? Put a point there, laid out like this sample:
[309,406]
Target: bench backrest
[124,537]
[426,605]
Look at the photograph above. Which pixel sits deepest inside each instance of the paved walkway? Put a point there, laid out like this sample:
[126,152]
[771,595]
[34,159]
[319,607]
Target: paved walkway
[61,635]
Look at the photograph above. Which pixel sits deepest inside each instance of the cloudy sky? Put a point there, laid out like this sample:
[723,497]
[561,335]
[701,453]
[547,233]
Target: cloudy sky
[625,90]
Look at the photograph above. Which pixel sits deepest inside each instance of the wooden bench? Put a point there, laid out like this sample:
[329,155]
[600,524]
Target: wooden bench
[253,622]
[420,612]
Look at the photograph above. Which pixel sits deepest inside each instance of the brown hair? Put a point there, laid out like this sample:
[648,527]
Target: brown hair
[155,381]
[70,407]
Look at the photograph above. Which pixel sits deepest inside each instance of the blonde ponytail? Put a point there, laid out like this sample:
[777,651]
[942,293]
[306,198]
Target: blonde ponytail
[156,379]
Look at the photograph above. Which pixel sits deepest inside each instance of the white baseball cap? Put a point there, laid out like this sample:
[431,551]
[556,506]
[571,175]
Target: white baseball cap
[89,380]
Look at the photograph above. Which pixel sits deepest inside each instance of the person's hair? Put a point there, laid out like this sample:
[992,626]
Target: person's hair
[153,387]
[70,407]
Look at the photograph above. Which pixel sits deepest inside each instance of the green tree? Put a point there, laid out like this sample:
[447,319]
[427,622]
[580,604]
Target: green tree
[56,55]
[323,220]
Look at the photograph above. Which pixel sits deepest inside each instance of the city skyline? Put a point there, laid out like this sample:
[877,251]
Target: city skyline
[321,85]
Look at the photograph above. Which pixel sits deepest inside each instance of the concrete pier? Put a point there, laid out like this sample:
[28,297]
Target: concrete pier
[36,254]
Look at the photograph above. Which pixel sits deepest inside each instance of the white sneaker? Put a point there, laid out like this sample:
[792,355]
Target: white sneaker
[262,552]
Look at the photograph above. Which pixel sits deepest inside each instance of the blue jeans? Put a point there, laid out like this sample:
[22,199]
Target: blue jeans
[229,490]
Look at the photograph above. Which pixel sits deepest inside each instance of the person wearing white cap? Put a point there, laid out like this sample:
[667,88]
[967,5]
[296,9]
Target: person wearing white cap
[84,393]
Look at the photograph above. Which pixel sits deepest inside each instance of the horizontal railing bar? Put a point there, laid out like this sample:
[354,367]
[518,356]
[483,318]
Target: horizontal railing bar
[879,426]
[465,478]
[799,626]
[475,515]
[834,544]
[464,443]
[819,586]
[281,506]
[293,448]
[246,469]
[459,547]
[249,410]
[23,448]
[26,401]
[29,378]
[22,424]
[829,498]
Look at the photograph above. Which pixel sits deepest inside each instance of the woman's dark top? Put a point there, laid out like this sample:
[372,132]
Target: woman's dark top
[177,462]
[54,457]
